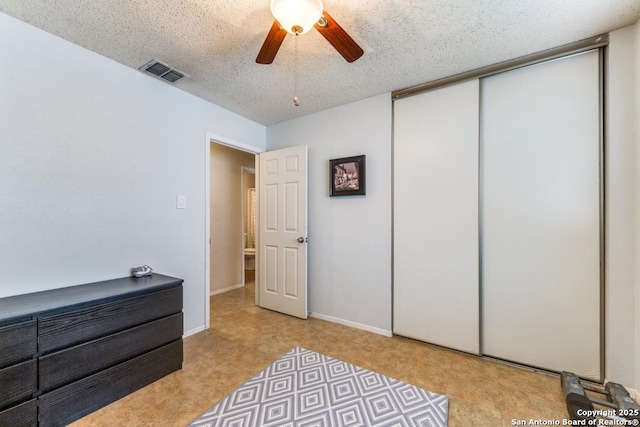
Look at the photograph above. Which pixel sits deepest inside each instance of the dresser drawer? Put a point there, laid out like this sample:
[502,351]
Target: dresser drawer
[17,342]
[69,403]
[64,330]
[23,415]
[18,382]
[65,366]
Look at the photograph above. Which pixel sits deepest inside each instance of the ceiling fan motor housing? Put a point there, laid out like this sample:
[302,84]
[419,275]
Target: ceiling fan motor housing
[322,21]
[297,16]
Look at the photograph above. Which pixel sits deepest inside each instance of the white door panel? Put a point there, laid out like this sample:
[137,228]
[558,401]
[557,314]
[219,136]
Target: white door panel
[282,259]
[436,291]
[541,215]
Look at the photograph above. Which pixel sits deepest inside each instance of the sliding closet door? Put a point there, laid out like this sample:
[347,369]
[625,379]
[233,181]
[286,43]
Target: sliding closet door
[540,168]
[436,217]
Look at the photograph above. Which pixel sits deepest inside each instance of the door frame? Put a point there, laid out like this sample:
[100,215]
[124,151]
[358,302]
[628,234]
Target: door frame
[243,212]
[211,138]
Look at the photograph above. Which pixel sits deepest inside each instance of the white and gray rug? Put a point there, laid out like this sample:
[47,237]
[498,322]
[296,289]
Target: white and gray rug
[308,389]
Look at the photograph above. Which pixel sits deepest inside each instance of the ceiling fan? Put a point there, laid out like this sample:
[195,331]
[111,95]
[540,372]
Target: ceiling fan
[299,16]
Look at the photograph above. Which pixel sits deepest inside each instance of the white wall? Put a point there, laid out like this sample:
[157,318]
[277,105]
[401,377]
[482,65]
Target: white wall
[92,156]
[636,114]
[621,211]
[349,237]
[226,215]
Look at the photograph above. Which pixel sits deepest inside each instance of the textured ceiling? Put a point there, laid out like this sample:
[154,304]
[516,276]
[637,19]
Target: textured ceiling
[406,42]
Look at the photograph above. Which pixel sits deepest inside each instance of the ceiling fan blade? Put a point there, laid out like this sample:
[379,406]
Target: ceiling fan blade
[271,44]
[339,38]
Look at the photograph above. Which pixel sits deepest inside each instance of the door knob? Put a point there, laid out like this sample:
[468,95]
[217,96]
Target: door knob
[301,240]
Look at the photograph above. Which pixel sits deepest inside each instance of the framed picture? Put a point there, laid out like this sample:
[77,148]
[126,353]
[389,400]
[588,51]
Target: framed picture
[348,176]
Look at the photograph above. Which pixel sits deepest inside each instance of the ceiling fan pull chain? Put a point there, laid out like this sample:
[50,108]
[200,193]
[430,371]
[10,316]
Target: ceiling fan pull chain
[296,101]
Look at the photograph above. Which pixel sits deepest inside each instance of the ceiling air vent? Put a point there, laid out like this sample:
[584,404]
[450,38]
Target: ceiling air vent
[163,71]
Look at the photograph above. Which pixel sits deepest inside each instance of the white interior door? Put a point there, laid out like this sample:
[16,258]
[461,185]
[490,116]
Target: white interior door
[436,290]
[282,230]
[541,215]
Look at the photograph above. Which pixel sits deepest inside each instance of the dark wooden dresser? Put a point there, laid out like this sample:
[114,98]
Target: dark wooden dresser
[66,352]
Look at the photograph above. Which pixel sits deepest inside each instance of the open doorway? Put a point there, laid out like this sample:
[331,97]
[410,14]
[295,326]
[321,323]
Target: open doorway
[210,141]
[231,174]
[290,235]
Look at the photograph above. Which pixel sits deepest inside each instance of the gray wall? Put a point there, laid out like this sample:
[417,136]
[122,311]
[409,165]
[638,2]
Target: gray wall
[622,243]
[92,157]
[636,138]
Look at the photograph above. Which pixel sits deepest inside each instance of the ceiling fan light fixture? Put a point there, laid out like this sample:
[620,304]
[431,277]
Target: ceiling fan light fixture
[297,16]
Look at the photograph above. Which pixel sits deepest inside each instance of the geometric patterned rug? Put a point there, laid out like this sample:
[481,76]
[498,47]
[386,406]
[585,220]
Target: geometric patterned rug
[308,389]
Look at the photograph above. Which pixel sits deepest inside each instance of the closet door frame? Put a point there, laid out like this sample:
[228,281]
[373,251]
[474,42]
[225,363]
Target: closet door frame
[503,268]
[597,42]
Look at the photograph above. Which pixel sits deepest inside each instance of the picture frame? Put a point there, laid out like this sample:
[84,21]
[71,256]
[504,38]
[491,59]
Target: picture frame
[347,176]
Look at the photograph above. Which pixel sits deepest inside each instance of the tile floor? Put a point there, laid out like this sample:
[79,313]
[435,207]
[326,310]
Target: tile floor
[244,339]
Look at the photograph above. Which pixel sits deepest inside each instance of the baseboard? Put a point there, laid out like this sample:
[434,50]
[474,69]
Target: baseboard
[356,325]
[193,331]
[227,289]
